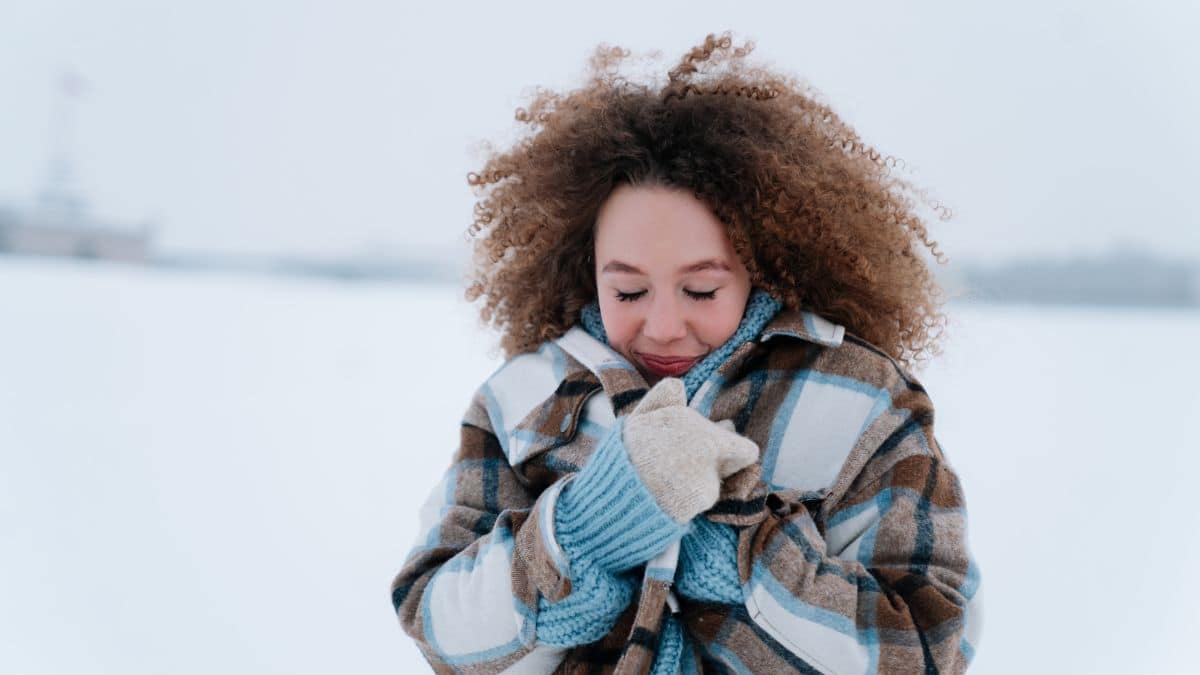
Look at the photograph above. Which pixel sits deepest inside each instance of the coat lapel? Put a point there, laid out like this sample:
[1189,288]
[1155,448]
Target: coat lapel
[622,383]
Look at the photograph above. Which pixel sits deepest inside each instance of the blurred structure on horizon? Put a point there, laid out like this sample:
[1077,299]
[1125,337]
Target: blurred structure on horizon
[78,236]
[58,223]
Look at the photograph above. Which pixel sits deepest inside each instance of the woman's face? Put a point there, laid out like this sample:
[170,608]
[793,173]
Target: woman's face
[671,287]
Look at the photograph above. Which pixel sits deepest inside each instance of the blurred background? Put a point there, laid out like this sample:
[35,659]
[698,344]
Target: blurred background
[234,353]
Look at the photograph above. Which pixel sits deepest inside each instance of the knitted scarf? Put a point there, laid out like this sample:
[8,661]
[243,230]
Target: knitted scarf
[703,566]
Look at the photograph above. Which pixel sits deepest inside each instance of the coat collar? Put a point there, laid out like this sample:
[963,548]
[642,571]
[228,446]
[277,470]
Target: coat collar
[800,324]
[804,325]
[621,381]
[576,366]
[624,384]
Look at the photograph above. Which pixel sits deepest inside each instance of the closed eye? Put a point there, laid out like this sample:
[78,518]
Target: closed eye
[695,295]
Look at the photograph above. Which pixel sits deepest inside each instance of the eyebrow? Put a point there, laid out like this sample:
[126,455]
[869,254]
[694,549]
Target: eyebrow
[626,268]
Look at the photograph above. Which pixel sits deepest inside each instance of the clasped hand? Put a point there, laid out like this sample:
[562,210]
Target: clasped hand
[681,455]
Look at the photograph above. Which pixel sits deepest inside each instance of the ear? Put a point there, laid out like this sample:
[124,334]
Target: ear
[668,392]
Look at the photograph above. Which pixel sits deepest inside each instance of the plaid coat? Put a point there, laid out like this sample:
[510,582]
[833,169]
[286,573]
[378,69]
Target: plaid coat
[851,549]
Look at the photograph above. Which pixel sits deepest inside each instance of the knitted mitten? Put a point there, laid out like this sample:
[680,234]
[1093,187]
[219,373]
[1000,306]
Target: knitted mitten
[654,470]
[680,454]
[658,467]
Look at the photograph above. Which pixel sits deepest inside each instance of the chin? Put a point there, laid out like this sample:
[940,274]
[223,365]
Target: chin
[650,378]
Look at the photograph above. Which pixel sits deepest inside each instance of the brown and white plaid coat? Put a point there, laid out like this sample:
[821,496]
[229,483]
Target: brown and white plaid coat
[852,547]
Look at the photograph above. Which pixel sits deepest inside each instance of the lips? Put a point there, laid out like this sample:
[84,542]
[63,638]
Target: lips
[667,366]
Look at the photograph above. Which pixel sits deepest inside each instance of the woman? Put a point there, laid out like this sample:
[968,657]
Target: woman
[704,452]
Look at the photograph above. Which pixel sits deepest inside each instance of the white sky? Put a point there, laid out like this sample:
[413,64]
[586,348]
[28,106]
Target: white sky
[336,128]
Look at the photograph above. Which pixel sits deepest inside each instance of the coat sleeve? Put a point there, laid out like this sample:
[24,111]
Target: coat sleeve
[486,587]
[877,577]
[885,583]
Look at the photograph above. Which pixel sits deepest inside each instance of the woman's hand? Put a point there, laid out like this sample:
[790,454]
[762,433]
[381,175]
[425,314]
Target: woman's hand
[681,455]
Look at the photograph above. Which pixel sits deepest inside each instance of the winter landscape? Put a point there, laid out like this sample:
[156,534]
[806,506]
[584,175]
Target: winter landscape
[219,472]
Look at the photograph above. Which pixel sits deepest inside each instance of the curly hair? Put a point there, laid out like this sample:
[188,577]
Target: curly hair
[814,213]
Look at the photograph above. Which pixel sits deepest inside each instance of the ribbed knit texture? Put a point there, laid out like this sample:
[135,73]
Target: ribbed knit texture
[708,552]
[607,516]
[760,309]
[670,648]
[690,663]
[597,598]
[606,522]
[708,564]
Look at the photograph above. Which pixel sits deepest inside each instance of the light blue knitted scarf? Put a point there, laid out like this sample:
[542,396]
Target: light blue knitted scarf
[708,574]
[760,309]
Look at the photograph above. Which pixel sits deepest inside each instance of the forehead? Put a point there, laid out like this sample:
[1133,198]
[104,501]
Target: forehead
[658,225]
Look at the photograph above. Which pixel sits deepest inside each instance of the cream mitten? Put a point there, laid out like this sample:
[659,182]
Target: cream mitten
[681,455]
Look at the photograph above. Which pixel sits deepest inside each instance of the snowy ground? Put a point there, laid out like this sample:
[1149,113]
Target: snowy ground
[218,473]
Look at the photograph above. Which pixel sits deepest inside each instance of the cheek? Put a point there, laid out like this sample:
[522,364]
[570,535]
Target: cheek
[619,324]
[719,325]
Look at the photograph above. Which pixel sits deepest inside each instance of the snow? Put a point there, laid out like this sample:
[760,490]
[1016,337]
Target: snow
[209,472]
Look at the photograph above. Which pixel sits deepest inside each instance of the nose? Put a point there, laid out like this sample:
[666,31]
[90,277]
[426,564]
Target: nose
[665,320]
